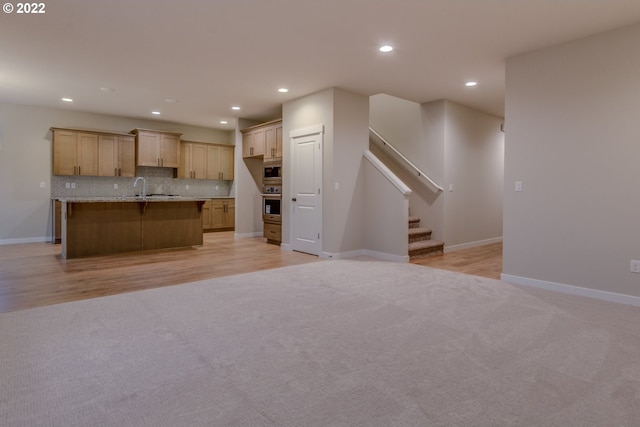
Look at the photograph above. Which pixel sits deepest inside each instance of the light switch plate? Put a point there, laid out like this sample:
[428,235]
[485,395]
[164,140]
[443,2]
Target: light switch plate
[518,186]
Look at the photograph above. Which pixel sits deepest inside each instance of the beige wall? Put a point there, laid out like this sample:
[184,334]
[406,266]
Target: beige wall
[573,139]
[25,161]
[474,166]
[248,186]
[345,117]
[454,145]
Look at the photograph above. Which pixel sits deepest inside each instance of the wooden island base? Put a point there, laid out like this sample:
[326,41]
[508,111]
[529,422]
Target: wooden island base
[108,227]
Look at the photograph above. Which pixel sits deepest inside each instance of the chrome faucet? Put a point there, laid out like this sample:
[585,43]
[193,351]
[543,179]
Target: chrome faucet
[144,186]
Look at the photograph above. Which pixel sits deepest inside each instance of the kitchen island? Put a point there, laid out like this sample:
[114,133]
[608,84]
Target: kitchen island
[108,225]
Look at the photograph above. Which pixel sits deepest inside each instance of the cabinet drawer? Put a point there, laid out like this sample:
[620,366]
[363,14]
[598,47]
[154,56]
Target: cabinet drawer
[272,231]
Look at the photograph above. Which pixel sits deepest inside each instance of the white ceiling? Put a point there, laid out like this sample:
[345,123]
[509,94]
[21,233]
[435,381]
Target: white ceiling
[210,55]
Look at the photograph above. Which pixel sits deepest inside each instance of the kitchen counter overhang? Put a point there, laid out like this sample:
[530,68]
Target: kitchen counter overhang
[108,225]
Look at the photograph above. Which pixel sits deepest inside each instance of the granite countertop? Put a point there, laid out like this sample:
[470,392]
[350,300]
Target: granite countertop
[96,199]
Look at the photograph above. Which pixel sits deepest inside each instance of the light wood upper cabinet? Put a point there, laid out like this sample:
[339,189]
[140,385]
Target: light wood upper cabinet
[74,152]
[273,142]
[220,162]
[193,161]
[157,148]
[116,154]
[263,140]
[253,143]
[206,161]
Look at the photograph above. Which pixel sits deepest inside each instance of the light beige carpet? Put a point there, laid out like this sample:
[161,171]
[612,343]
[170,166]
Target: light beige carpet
[335,343]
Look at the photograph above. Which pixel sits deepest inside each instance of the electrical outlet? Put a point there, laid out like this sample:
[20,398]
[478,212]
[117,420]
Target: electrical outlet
[115,186]
[73,185]
[635,266]
[518,186]
[42,184]
[186,186]
[67,185]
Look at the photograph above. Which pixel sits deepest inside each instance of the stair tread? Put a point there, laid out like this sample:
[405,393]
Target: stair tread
[420,230]
[422,244]
[414,219]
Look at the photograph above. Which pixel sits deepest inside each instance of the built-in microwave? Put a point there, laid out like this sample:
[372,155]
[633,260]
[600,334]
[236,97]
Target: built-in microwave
[272,173]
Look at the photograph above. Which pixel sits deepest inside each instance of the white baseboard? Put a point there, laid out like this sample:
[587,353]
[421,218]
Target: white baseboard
[572,290]
[286,247]
[472,244]
[25,240]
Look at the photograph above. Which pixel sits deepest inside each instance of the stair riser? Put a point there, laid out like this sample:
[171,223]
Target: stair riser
[421,253]
[419,237]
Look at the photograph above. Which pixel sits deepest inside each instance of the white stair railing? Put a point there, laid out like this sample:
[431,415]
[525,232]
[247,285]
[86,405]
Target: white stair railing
[388,148]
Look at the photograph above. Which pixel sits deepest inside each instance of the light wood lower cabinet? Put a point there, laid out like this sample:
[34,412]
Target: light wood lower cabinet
[219,214]
[273,232]
[102,228]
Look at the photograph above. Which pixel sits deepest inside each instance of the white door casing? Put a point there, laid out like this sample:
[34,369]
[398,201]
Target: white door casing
[306,189]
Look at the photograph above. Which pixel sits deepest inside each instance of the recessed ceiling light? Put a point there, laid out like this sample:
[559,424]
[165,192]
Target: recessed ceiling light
[107,89]
[223,122]
[155,113]
[235,107]
[386,48]
[283,90]
[471,84]
[67,99]
[170,101]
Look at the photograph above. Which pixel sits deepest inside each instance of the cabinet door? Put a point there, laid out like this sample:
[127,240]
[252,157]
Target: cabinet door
[258,142]
[64,152]
[108,155]
[169,151]
[206,215]
[279,141]
[213,162]
[87,154]
[148,149]
[247,144]
[270,143]
[217,214]
[226,163]
[184,171]
[127,156]
[230,214]
[199,161]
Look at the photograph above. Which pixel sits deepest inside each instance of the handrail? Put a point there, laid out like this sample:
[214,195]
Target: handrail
[414,169]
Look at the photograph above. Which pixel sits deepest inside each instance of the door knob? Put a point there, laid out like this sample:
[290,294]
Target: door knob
[293,199]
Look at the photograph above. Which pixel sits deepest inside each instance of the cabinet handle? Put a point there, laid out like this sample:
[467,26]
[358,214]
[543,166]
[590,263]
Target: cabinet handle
[119,171]
[115,171]
[79,173]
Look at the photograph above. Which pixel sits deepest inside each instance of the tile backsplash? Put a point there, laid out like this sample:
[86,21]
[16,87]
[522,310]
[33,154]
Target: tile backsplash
[159,181]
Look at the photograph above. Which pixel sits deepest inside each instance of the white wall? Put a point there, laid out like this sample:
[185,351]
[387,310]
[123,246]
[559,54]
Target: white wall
[573,139]
[25,161]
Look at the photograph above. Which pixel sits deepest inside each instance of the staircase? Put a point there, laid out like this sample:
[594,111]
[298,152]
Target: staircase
[420,243]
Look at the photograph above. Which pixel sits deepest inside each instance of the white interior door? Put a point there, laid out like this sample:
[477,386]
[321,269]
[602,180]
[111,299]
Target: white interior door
[306,200]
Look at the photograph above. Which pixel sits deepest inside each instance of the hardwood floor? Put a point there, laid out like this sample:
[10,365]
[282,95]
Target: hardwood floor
[485,261]
[35,274]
